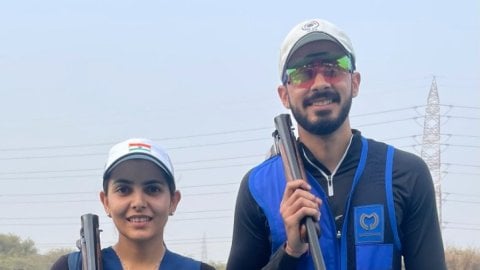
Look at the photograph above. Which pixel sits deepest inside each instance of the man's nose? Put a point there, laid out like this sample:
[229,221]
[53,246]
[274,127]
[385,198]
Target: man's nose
[320,81]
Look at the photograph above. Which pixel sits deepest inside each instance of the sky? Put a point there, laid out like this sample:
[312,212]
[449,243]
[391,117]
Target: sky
[200,78]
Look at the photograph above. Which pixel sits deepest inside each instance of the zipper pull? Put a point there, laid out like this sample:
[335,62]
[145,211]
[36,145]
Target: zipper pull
[330,185]
[339,235]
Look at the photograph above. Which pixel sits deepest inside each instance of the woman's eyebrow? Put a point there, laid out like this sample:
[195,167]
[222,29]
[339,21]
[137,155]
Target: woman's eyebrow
[122,181]
[155,181]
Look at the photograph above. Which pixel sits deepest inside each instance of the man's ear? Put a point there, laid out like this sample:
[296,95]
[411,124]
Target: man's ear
[283,94]
[355,83]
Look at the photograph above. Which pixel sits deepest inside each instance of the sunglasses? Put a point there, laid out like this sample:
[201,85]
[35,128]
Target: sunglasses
[331,69]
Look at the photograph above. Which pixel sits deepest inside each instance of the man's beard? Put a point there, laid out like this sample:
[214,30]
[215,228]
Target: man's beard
[323,126]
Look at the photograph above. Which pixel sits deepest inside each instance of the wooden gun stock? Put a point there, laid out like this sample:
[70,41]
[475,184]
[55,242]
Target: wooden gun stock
[287,145]
[90,243]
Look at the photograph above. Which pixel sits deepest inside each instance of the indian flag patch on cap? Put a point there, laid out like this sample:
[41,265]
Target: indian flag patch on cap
[139,147]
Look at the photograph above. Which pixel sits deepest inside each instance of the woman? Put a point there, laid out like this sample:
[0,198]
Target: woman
[138,194]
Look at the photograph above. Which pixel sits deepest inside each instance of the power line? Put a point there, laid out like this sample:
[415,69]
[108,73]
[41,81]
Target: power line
[112,143]
[226,239]
[171,220]
[460,194]
[388,111]
[203,160]
[179,170]
[460,106]
[53,177]
[96,200]
[180,188]
[99,169]
[220,159]
[461,173]
[459,135]
[461,223]
[461,201]
[412,118]
[167,148]
[237,131]
[460,228]
[415,136]
[211,160]
[460,145]
[410,108]
[443,144]
[94,192]
[460,164]
[49,171]
[185,195]
[77,217]
[461,117]
[389,121]
[54,156]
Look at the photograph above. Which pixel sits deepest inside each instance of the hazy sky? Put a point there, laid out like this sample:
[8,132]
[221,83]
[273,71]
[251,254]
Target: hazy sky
[200,78]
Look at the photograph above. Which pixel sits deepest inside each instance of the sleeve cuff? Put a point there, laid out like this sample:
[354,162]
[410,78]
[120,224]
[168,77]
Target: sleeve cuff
[283,260]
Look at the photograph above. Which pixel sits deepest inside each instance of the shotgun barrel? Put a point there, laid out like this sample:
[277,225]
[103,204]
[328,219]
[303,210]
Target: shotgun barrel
[90,243]
[293,165]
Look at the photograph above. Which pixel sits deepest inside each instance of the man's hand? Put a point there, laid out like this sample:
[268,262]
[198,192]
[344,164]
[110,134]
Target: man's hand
[298,203]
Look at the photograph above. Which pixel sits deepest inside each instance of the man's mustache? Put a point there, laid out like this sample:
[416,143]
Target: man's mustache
[322,95]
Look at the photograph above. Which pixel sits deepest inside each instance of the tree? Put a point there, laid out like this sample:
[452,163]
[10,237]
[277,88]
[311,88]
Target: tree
[12,245]
[18,254]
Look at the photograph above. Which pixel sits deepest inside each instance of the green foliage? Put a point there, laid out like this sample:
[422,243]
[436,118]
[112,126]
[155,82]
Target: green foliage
[30,262]
[12,245]
[57,252]
[18,254]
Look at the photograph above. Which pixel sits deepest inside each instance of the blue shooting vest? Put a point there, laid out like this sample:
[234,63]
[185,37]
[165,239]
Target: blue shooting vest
[110,260]
[369,238]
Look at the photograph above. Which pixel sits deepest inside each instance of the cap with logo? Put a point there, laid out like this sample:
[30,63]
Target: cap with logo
[309,31]
[139,148]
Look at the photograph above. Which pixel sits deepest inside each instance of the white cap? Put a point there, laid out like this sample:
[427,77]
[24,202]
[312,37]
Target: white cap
[139,148]
[308,31]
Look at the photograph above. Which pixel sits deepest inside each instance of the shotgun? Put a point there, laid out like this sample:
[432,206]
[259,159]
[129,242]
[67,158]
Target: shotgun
[89,243]
[286,145]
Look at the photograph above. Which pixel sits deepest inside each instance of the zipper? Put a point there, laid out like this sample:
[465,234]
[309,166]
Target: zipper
[329,217]
[330,185]
[329,178]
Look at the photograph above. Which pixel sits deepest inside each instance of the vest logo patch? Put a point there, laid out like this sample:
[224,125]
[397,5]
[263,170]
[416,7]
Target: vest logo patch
[369,224]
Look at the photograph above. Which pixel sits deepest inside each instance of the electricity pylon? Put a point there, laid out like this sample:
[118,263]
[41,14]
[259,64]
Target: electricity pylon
[431,143]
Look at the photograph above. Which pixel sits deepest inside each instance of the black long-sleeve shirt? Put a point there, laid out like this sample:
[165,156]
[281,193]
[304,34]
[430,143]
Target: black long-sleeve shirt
[415,209]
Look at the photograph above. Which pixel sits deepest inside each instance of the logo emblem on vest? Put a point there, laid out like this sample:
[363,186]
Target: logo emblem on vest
[369,224]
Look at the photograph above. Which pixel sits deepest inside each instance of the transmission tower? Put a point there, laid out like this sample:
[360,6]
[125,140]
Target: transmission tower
[204,249]
[431,143]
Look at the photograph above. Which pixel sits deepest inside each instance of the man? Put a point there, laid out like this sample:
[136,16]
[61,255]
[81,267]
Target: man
[374,204]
